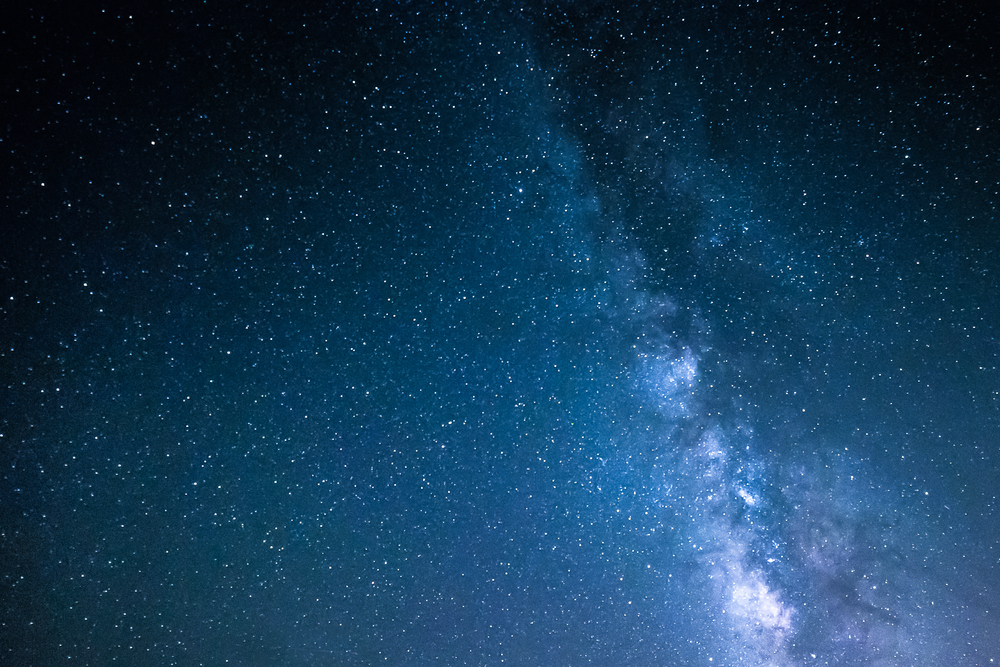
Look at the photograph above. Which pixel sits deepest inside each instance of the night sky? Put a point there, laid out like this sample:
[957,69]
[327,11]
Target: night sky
[550,334]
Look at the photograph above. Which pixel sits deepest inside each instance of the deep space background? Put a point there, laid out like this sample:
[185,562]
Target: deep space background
[500,334]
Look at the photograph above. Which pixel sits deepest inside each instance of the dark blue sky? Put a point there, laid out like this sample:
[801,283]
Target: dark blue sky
[563,333]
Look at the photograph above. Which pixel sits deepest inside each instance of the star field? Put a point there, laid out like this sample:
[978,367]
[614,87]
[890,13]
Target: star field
[562,333]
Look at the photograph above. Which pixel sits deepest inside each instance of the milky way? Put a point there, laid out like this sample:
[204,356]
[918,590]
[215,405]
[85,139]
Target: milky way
[540,334]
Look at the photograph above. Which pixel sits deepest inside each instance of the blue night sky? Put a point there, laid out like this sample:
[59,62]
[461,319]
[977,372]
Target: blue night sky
[500,334]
